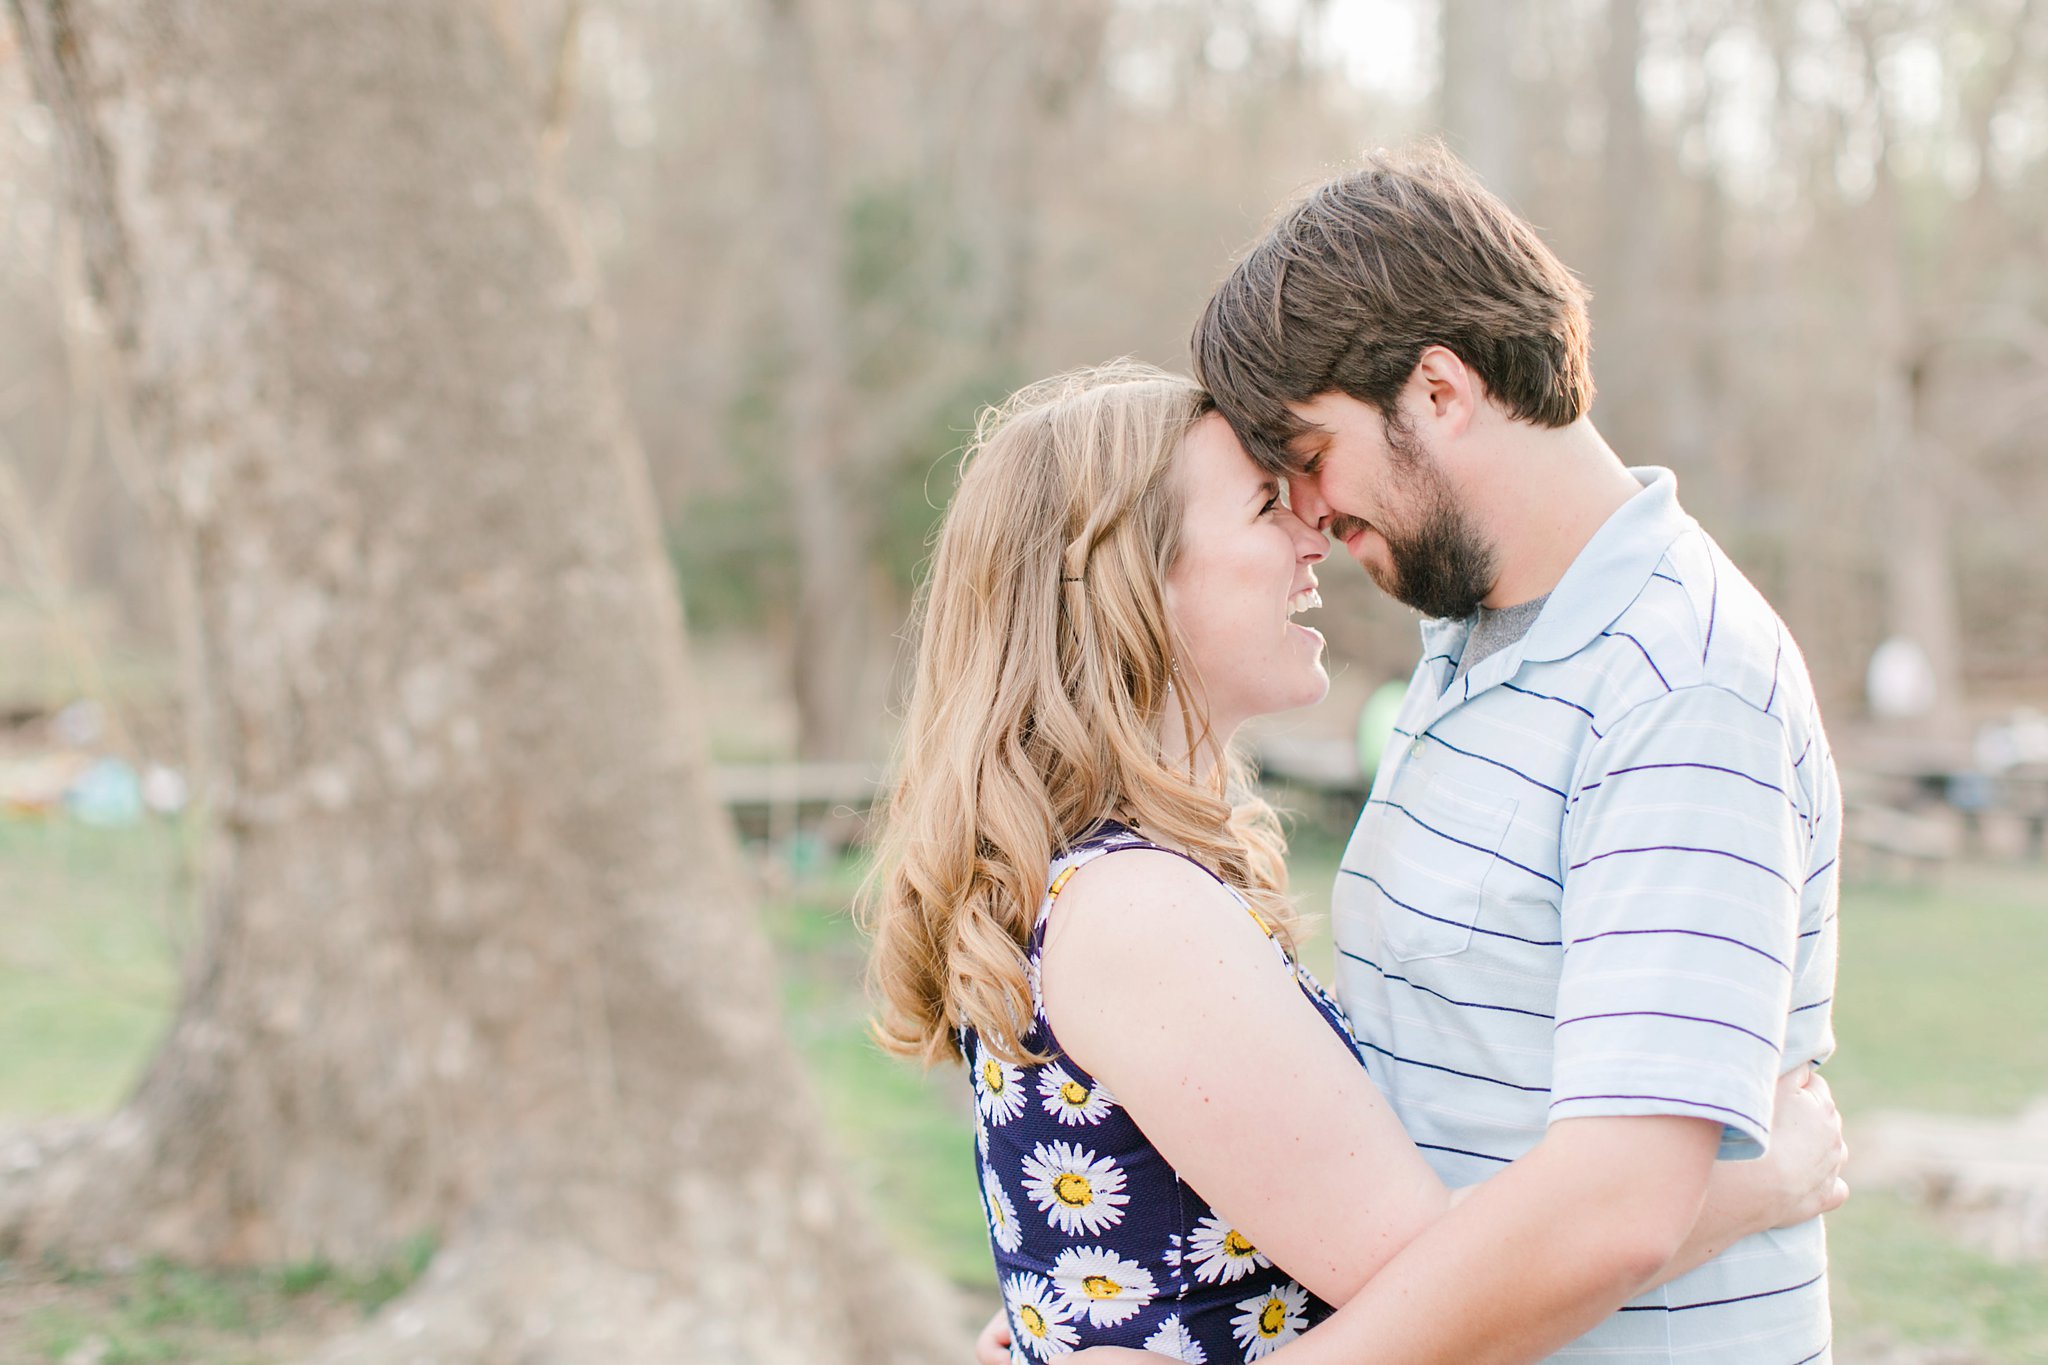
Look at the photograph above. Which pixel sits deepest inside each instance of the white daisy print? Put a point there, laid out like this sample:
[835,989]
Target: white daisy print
[1221,1253]
[980,1129]
[1102,1285]
[1173,1340]
[1271,1320]
[1075,1191]
[998,1086]
[1037,1320]
[1071,1101]
[1002,1214]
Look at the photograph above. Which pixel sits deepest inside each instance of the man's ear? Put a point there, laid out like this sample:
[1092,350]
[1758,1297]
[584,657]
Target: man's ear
[1444,391]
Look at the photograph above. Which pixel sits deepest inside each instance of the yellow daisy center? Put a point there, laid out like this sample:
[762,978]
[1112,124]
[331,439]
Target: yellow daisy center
[1033,1320]
[992,1077]
[1101,1287]
[1272,1318]
[1074,1093]
[1073,1190]
[1234,1245]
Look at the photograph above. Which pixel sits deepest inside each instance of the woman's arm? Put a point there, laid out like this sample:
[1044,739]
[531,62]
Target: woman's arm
[1164,988]
[1799,1178]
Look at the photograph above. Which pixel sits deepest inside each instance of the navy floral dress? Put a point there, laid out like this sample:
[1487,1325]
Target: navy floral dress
[1097,1241]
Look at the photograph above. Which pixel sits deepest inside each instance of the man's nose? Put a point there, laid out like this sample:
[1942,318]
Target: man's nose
[1305,496]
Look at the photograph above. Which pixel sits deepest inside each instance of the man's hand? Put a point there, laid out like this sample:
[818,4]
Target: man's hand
[992,1347]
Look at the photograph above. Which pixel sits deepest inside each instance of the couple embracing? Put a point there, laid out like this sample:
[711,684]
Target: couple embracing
[1560,1104]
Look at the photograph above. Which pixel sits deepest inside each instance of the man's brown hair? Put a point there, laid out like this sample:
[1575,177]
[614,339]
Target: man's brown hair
[1362,273]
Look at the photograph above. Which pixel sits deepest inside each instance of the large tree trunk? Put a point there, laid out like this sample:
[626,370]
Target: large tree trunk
[477,960]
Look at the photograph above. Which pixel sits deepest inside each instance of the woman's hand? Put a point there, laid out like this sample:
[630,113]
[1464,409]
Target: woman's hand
[992,1347]
[1801,1176]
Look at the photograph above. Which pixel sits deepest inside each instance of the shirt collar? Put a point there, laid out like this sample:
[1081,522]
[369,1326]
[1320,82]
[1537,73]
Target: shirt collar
[1612,569]
[1608,574]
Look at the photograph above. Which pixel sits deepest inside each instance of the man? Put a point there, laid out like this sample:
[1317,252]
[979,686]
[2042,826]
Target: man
[1587,917]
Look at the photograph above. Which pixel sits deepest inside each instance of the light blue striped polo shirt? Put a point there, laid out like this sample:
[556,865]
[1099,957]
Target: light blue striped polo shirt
[1596,876]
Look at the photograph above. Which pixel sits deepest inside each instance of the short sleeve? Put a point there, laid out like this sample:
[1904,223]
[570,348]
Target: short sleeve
[1685,845]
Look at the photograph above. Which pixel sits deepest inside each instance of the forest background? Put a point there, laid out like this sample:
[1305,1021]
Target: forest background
[1816,233]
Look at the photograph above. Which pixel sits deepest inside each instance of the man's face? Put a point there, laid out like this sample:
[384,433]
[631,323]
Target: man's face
[1373,483]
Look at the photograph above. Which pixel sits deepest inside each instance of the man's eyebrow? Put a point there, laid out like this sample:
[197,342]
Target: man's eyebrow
[1268,488]
[1312,436]
[1304,462]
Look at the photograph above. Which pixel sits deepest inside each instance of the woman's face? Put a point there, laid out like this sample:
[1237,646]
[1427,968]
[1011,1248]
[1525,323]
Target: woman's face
[1246,565]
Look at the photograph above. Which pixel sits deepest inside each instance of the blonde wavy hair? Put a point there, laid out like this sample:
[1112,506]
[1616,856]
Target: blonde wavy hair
[1044,658]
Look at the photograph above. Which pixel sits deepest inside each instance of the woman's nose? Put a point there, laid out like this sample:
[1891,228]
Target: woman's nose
[1313,544]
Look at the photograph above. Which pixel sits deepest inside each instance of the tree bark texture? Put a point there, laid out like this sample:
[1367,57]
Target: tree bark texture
[477,957]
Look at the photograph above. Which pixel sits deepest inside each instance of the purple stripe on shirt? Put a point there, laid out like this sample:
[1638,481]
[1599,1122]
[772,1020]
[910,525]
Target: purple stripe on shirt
[1671,848]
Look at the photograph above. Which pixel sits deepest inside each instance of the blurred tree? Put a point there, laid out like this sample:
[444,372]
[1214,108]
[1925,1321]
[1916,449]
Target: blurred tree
[1925,305]
[1479,104]
[835,618]
[477,960]
[1625,336]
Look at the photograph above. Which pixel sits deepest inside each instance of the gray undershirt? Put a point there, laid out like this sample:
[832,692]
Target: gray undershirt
[1496,630]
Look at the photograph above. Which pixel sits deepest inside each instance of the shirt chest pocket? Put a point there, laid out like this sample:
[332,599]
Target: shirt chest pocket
[1443,848]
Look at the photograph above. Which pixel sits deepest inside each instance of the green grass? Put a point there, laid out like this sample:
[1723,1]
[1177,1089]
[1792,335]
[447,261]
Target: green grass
[1895,1271]
[1940,1004]
[87,960]
[905,1132]
[1940,1009]
[166,1312]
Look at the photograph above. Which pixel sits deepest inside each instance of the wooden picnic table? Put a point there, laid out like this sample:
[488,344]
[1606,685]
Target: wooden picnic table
[774,801]
[1975,795]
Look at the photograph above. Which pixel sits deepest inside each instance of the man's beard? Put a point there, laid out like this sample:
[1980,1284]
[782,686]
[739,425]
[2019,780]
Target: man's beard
[1440,564]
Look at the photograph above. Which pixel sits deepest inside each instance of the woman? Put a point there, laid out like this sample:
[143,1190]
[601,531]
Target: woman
[1070,838]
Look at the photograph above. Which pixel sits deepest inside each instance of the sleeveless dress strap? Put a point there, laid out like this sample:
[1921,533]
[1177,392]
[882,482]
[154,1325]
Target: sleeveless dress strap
[1089,848]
